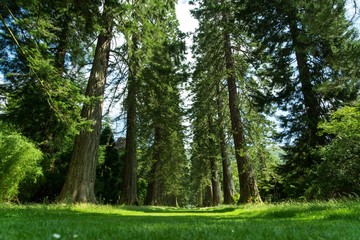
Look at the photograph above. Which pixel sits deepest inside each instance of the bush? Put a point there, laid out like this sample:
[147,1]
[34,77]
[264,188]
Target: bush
[19,160]
[337,175]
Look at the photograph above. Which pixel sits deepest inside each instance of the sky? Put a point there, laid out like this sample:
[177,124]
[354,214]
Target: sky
[187,22]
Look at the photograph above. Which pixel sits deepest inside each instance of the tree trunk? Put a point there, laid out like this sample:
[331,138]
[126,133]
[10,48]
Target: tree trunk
[208,196]
[215,184]
[311,103]
[248,188]
[228,183]
[216,196]
[129,189]
[171,201]
[80,180]
[152,193]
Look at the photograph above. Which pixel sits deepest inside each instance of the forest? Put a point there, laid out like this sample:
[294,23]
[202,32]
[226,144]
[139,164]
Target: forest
[100,103]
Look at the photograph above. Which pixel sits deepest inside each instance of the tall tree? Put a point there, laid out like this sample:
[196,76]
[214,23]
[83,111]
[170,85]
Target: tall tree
[36,73]
[217,28]
[161,115]
[304,47]
[228,183]
[145,41]
[80,180]
[129,190]
[205,150]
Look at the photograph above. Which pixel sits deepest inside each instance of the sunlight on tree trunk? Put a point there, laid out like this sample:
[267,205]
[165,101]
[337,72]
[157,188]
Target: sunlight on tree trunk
[80,181]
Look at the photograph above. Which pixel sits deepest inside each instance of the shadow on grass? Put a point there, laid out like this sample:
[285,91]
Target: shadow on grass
[106,222]
[288,212]
[152,209]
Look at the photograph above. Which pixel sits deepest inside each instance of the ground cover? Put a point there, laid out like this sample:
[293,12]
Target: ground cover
[320,220]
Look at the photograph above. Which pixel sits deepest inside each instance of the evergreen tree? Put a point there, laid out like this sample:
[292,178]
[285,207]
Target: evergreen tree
[145,37]
[161,112]
[129,181]
[42,94]
[305,63]
[109,169]
[215,38]
[206,146]
[228,183]
[80,181]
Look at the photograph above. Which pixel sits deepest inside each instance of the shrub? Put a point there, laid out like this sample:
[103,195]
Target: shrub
[19,160]
[337,175]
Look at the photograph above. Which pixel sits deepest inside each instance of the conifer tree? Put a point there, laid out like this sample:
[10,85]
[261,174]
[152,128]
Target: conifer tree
[158,134]
[306,53]
[80,181]
[109,168]
[42,93]
[163,115]
[217,28]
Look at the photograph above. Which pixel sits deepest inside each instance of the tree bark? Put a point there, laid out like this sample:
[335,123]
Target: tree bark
[152,193]
[228,183]
[80,180]
[249,192]
[215,183]
[311,103]
[129,189]
[208,196]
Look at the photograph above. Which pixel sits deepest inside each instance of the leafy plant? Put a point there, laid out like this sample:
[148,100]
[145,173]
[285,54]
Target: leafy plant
[19,159]
[338,173]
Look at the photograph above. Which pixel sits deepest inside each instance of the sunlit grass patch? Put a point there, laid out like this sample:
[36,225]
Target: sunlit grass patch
[319,220]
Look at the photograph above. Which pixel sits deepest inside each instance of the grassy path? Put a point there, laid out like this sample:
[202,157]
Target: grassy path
[332,220]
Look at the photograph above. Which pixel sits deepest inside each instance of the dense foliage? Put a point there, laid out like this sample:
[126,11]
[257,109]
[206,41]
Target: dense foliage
[337,174]
[19,161]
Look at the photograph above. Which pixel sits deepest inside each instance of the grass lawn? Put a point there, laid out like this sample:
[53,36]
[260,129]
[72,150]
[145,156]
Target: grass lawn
[322,220]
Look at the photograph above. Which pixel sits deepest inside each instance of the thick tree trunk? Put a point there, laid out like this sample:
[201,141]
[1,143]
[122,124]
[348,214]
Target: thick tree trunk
[129,189]
[248,188]
[228,183]
[152,193]
[80,180]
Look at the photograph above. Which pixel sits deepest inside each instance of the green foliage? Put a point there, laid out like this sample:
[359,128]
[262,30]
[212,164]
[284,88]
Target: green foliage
[161,152]
[19,160]
[305,56]
[44,49]
[267,159]
[344,123]
[109,168]
[337,175]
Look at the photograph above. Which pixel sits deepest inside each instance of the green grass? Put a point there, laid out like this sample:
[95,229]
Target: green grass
[330,220]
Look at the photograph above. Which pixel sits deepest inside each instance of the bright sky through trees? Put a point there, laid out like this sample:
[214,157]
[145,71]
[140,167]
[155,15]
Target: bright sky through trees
[187,22]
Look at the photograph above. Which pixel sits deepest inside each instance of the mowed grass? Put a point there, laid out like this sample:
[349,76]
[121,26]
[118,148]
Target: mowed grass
[321,220]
